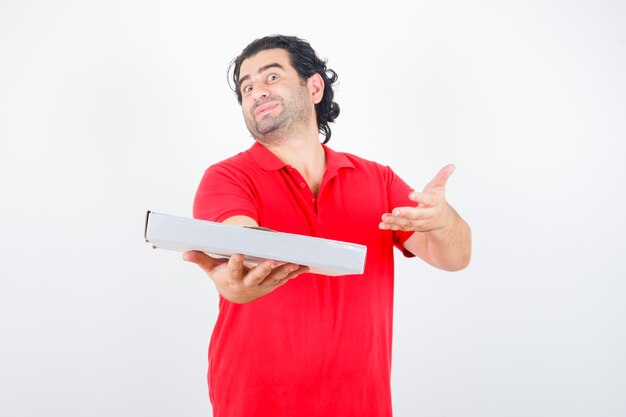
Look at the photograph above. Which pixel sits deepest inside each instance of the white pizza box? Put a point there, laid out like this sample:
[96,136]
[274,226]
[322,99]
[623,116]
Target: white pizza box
[322,256]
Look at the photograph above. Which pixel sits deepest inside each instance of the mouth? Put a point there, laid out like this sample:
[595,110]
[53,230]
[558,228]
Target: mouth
[264,109]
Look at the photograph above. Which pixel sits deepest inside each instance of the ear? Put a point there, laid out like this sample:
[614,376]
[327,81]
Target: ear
[315,83]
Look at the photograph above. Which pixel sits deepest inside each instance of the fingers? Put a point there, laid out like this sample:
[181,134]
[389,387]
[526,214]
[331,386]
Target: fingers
[239,283]
[272,274]
[441,178]
[258,274]
[406,218]
[431,212]
[235,265]
[411,213]
[302,269]
[299,269]
[204,261]
[423,199]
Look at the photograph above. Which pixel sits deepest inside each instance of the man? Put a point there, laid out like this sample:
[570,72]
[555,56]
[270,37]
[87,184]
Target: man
[315,345]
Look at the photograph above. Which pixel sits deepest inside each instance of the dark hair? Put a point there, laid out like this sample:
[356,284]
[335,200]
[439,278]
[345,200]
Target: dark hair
[306,62]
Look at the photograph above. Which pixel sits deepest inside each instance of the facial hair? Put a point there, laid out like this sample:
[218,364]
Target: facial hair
[294,114]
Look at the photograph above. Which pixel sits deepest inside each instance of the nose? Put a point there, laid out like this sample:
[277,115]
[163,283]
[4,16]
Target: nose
[259,92]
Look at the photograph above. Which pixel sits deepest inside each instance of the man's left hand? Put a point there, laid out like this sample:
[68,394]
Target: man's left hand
[432,211]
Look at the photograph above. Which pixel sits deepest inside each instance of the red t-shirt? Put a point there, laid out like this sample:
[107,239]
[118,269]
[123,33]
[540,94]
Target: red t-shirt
[317,346]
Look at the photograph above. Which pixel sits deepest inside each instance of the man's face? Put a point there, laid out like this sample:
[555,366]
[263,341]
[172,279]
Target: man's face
[274,102]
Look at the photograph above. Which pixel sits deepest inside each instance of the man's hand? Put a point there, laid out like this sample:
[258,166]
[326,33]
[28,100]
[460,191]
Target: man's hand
[442,237]
[432,212]
[240,284]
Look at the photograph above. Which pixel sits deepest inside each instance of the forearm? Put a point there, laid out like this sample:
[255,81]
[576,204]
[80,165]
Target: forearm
[448,248]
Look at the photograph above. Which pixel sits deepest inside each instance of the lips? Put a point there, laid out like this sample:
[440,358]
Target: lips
[264,109]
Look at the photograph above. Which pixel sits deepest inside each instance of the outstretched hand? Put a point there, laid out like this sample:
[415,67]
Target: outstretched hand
[432,211]
[240,284]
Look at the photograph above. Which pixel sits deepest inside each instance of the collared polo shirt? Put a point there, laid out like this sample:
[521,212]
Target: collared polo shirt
[317,346]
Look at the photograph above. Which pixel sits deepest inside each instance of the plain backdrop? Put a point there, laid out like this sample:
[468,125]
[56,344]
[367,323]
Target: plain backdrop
[109,109]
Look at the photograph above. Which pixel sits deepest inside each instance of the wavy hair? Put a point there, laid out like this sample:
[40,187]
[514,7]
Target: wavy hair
[306,62]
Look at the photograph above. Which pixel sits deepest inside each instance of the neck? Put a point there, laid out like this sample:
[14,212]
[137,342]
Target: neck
[304,153]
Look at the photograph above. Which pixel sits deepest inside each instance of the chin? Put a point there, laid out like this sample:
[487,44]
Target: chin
[266,127]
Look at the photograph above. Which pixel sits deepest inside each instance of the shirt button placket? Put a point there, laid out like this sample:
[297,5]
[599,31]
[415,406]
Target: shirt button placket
[297,178]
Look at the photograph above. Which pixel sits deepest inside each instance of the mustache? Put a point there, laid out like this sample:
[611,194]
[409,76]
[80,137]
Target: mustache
[264,102]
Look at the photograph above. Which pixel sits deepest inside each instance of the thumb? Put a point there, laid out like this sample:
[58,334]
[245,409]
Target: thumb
[441,178]
[201,259]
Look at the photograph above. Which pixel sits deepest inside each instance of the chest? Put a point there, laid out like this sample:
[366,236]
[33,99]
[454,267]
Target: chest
[346,207]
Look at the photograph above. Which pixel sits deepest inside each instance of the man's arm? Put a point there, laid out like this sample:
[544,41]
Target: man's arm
[442,238]
[235,281]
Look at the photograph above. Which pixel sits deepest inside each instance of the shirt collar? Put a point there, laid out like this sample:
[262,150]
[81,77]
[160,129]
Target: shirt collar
[266,160]
[335,161]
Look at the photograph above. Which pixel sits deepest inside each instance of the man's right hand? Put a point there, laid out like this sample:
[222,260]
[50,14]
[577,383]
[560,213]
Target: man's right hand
[238,283]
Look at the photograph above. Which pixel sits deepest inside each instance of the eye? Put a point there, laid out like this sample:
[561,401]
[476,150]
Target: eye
[272,77]
[246,89]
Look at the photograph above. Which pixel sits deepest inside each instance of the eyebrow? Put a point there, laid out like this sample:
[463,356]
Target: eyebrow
[263,68]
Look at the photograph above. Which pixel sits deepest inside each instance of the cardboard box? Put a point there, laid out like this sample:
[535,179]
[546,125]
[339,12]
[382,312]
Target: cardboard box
[322,256]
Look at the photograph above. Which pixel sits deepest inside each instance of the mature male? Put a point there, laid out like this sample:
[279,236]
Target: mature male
[314,345]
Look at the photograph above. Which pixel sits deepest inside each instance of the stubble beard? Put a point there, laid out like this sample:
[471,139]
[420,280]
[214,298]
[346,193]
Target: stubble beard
[273,130]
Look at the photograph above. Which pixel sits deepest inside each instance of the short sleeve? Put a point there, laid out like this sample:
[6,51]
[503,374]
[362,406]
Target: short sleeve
[224,193]
[398,196]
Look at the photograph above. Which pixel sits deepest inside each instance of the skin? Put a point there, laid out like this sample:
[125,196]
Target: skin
[279,111]
[442,238]
[271,118]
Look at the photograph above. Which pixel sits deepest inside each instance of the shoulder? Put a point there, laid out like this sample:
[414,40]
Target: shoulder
[239,168]
[371,174]
[363,162]
[239,162]
[226,189]
[364,166]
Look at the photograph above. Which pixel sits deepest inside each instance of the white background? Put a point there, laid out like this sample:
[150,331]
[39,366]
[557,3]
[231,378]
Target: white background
[108,109]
